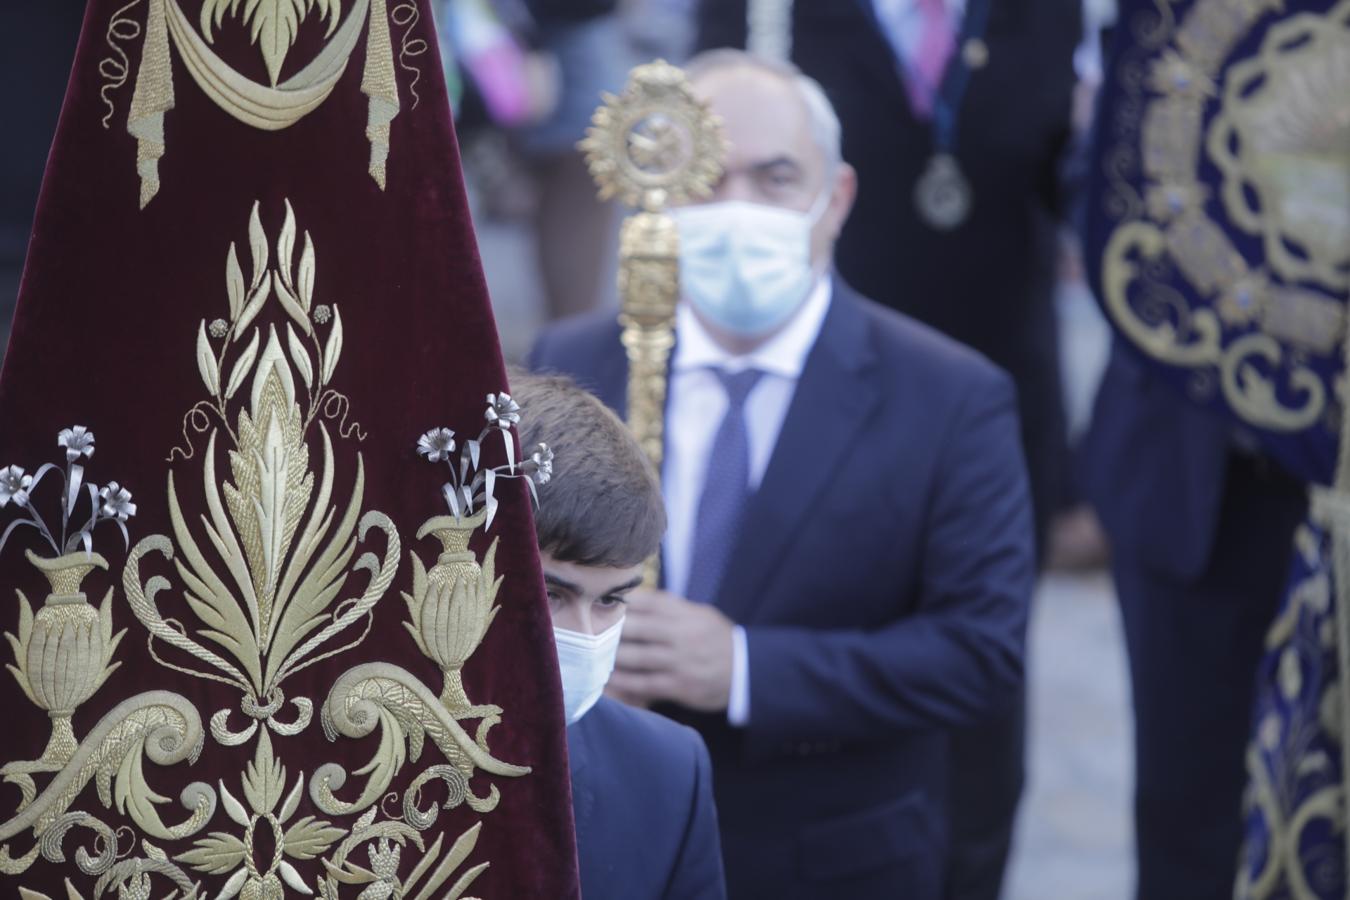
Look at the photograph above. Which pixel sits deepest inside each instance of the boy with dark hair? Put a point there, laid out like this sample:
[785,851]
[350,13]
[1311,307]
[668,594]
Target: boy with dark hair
[641,784]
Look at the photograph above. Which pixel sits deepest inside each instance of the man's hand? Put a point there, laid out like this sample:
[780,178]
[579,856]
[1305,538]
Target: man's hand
[673,649]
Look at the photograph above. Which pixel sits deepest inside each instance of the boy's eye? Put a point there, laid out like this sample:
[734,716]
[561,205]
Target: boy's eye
[612,600]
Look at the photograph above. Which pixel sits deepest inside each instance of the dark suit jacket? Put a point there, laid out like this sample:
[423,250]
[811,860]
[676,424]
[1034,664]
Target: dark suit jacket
[1154,468]
[989,282]
[643,802]
[883,574]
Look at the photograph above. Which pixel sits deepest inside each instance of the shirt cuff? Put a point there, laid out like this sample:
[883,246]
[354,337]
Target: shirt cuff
[738,705]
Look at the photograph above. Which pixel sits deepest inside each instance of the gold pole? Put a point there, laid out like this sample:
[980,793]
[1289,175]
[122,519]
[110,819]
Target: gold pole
[653,145]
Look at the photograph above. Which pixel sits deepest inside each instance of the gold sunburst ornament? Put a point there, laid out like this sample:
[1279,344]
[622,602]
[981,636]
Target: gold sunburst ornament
[652,145]
[655,143]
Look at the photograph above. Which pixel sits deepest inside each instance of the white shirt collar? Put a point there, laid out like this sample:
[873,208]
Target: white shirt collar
[955,8]
[784,354]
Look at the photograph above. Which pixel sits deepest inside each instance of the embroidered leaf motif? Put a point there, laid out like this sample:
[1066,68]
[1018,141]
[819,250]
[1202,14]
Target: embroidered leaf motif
[257,241]
[19,643]
[272,481]
[286,244]
[255,305]
[458,852]
[308,599]
[264,778]
[215,854]
[243,366]
[300,357]
[309,837]
[273,24]
[292,878]
[292,306]
[306,279]
[130,791]
[234,280]
[206,362]
[333,348]
[233,808]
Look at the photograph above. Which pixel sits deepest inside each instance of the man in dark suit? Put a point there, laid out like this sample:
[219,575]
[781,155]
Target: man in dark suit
[1201,530]
[1006,87]
[849,559]
[642,797]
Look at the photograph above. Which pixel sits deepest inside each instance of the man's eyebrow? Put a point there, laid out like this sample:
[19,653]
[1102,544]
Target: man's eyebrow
[563,583]
[774,163]
[626,586]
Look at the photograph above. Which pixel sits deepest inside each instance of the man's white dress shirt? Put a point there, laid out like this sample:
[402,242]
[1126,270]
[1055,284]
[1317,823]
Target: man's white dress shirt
[696,406]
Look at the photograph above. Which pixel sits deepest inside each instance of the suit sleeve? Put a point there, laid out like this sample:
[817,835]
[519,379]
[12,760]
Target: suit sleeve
[540,356]
[955,659]
[698,869]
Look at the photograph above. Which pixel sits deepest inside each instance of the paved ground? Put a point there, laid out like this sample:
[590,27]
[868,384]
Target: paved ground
[1074,837]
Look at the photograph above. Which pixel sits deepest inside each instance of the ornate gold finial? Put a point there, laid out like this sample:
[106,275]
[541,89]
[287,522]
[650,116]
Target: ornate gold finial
[655,143]
[652,145]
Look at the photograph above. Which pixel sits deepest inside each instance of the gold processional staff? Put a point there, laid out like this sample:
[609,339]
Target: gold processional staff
[653,145]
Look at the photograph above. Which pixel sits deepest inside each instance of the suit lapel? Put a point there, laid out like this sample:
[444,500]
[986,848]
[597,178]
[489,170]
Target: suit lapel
[876,53]
[583,792]
[834,397]
[611,381]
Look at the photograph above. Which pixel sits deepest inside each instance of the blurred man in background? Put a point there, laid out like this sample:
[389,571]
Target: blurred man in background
[956,114]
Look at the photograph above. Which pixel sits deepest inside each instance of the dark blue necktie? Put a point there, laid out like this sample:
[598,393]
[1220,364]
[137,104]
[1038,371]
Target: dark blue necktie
[726,488]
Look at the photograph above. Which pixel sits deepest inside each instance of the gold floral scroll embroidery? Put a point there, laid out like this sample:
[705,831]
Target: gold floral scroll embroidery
[264,588]
[270,605]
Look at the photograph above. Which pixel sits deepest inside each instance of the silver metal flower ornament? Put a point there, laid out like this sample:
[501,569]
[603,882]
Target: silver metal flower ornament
[471,488]
[107,504]
[540,464]
[78,441]
[116,502]
[437,444]
[14,485]
[502,411]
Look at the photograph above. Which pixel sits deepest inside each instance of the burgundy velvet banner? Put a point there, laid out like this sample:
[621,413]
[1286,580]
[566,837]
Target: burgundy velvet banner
[257,331]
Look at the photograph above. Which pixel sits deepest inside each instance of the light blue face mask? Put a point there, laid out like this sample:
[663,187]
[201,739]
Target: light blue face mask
[746,267]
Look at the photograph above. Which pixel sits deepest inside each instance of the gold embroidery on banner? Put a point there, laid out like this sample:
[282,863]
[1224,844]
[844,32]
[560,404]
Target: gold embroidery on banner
[260,579]
[63,654]
[384,841]
[1278,140]
[274,24]
[158,724]
[115,69]
[406,711]
[271,603]
[221,853]
[381,86]
[406,15]
[450,609]
[277,105]
[451,606]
